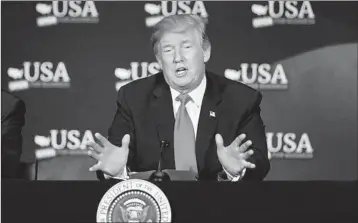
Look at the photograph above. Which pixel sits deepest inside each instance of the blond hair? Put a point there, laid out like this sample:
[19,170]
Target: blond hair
[180,23]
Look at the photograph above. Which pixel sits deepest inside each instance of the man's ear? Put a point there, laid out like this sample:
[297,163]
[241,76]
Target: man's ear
[207,53]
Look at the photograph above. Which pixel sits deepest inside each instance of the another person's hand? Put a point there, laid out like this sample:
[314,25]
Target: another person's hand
[234,157]
[111,159]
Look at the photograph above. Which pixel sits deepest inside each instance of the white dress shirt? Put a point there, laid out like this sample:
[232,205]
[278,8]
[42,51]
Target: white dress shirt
[193,108]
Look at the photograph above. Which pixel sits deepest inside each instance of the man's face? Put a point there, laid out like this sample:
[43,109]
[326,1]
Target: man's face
[182,59]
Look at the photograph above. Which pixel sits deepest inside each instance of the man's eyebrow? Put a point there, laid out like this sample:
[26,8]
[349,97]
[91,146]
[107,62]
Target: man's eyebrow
[166,44]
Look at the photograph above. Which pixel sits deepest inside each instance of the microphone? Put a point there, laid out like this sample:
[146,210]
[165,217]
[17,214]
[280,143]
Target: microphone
[159,175]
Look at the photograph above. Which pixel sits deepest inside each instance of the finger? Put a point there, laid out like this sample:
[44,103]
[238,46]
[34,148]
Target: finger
[249,165]
[219,141]
[247,154]
[102,139]
[94,155]
[239,140]
[95,167]
[245,146]
[96,147]
[125,140]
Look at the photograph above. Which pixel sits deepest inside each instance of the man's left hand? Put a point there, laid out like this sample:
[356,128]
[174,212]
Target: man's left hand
[234,157]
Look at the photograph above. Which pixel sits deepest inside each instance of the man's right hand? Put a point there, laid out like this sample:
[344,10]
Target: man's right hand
[111,159]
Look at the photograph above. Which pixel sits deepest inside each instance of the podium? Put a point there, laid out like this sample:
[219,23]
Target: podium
[77,201]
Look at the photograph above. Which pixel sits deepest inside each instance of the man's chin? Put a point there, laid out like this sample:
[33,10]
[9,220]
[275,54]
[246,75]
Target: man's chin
[181,81]
[180,88]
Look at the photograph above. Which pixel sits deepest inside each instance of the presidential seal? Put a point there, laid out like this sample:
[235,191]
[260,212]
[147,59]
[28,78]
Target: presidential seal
[134,201]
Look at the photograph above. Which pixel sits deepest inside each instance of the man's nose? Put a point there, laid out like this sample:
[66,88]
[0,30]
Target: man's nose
[178,57]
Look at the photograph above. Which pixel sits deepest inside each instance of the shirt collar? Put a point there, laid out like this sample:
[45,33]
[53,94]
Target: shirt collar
[196,95]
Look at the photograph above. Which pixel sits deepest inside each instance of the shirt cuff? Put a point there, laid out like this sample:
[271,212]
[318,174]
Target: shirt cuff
[235,178]
[121,176]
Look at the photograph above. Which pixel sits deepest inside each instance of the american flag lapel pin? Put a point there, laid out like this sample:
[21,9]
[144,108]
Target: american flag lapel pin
[212,114]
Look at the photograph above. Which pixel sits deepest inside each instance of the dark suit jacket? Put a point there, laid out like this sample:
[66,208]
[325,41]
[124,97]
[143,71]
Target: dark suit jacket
[12,120]
[145,111]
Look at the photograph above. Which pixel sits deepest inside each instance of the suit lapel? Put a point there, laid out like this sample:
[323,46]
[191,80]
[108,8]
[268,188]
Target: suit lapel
[162,111]
[208,119]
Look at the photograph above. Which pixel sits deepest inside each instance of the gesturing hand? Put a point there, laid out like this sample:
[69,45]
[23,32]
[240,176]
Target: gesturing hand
[111,159]
[233,157]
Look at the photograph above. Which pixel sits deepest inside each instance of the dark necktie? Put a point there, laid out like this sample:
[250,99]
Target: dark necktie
[184,138]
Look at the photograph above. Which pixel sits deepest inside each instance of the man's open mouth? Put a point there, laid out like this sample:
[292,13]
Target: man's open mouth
[181,71]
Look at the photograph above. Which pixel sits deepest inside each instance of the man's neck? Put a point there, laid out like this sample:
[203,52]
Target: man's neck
[190,89]
[196,94]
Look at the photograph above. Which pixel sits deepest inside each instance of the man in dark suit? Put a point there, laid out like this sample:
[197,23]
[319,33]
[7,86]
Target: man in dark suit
[12,121]
[205,118]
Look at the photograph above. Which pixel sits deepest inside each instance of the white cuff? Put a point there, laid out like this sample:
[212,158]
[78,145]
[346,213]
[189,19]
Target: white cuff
[235,178]
[121,176]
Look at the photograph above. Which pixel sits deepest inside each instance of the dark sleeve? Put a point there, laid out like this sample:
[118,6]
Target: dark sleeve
[122,124]
[11,139]
[254,128]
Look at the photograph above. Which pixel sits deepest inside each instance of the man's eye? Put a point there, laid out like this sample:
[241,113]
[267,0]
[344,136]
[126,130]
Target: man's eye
[187,46]
[166,50]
